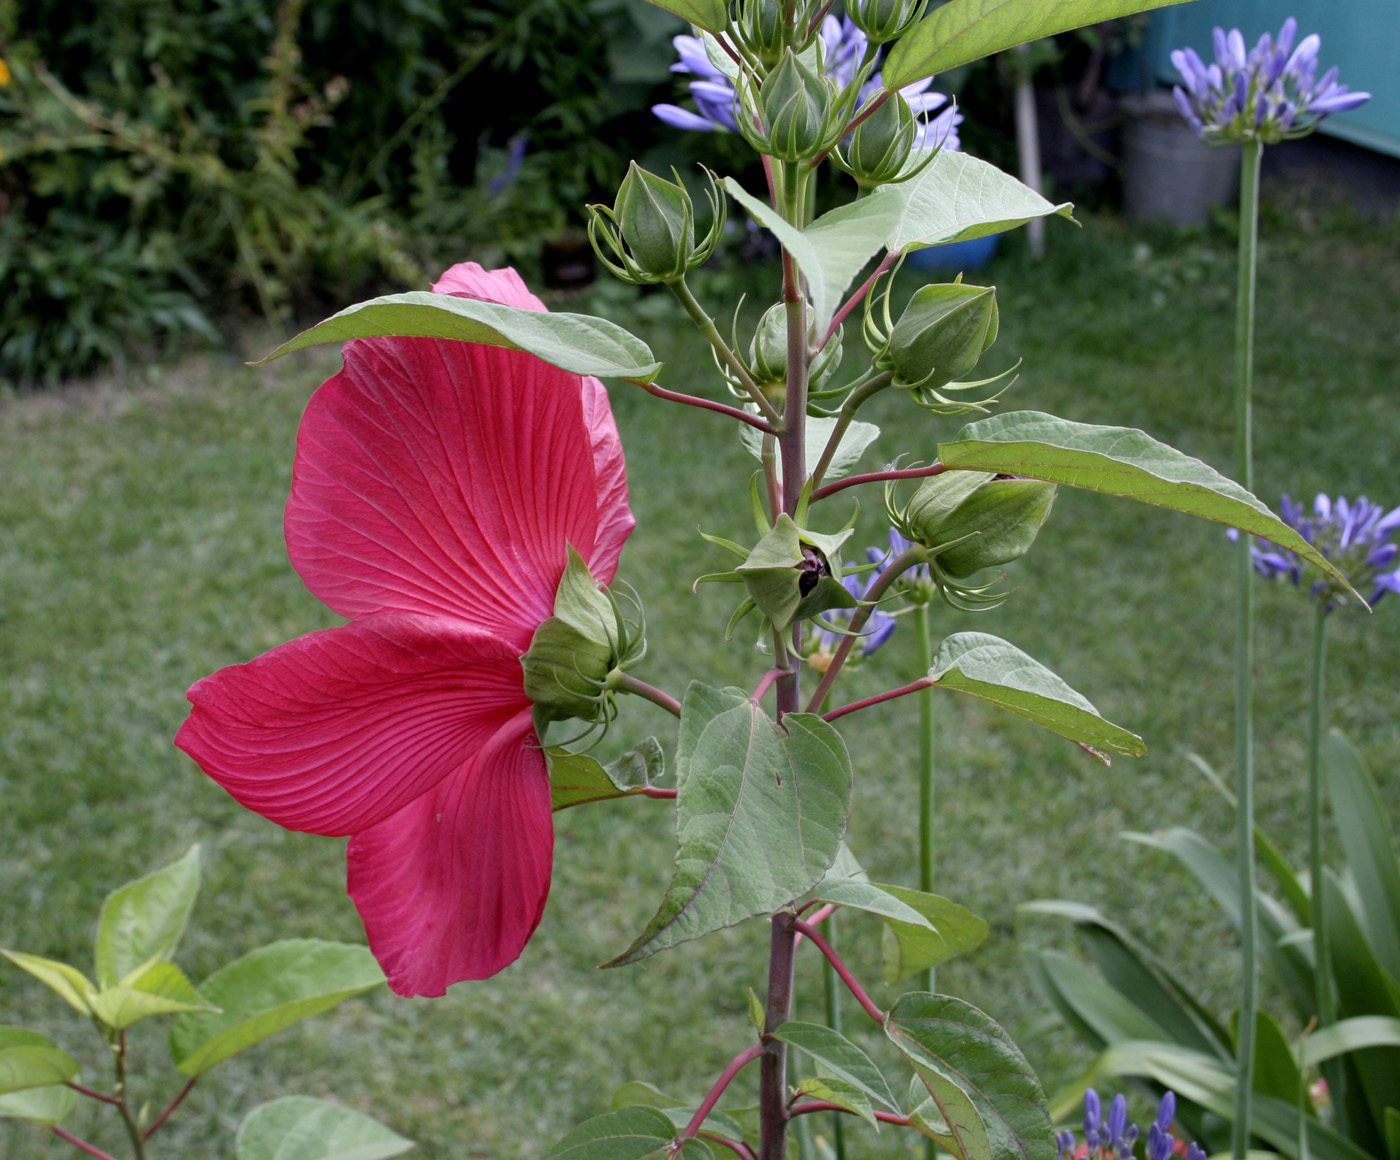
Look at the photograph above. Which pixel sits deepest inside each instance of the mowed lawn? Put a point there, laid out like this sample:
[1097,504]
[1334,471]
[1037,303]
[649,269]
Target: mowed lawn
[140,549]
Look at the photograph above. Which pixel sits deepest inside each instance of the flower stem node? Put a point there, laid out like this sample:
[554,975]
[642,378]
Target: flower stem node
[648,236]
[794,119]
[885,20]
[572,653]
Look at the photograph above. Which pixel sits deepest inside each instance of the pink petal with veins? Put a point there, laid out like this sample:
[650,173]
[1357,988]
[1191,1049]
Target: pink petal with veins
[339,729]
[452,886]
[469,280]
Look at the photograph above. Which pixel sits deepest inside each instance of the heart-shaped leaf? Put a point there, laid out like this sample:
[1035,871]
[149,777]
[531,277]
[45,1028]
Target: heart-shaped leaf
[760,811]
[302,1128]
[25,1066]
[945,930]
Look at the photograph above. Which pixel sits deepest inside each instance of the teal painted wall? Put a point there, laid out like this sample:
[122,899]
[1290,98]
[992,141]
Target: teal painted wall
[1360,37]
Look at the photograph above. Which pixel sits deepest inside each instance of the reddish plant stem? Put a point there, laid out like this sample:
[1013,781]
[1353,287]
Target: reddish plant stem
[77,1087]
[876,477]
[707,1105]
[904,690]
[819,916]
[767,682]
[824,1106]
[738,1147]
[175,1103]
[707,404]
[630,684]
[806,928]
[820,16]
[652,791]
[772,1080]
[886,264]
[81,1145]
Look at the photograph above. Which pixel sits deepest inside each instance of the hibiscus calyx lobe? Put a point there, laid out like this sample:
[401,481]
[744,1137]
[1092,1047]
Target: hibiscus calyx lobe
[573,652]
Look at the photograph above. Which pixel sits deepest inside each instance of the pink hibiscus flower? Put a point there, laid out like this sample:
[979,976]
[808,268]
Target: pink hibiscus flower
[436,487]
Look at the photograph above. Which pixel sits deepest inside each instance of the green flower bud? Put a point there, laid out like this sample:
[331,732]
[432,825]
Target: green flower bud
[651,229]
[942,333]
[793,103]
[759,27]
[789,574]
[972,520]
[883,20]
[768,351]
[881,144]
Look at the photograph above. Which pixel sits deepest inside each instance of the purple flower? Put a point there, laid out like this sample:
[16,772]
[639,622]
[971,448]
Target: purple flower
[1270,93]
[821,643]
[917,585]
[843,47]
[1356,537]
[1113,1139]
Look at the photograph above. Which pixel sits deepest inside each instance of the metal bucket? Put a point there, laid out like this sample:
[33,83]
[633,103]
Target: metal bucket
[1169,172]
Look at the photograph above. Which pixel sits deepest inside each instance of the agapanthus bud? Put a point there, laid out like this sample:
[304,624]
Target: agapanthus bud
[651,228]
[769,349]
[973,520]
[878,149]
[790,575]
[793,105]
[941,335]
[884,20]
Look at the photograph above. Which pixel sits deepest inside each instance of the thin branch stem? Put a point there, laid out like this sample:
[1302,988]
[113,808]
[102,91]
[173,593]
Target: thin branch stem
[878,698]
[922,631]
[853,403]
[885,266]
[772,1082]
[706,325]
[77,1087]
[767,682]
[706,404]
[175,1103]
[707,1105]
[824,1106]
[877,477]
[1322,973]
[811,932]
[653,791]
[738,1147]
[627,683]
[81,1145]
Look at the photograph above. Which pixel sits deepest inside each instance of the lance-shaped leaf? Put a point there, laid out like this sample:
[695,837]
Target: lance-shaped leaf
[711,15]
[69,982]
[143,920]
[30,1060]
[1121,461]
[576,778]
[302,1128]
[575,342]
[634,1133]
[835,1055]
[989,668]
[159,989]
[962,31]
[833,249]
[266,990]
[958,197]
[760,811]
[985,1091]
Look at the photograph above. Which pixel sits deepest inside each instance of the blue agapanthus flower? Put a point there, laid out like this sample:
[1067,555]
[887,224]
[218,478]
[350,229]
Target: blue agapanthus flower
[843,47]
[1113,1138]
[917,585]
[1357,537]
[822,643]
[1270,93]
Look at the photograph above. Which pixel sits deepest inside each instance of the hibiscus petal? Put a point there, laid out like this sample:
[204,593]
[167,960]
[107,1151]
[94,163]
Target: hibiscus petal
[615,522]
[470,280]
[453,885]
[339,729]
[445,478]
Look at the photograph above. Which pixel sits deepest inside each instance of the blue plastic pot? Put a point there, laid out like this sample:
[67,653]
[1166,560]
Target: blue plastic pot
[953,257]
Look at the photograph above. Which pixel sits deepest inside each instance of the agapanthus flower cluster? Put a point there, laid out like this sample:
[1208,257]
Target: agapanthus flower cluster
[1270,93]
[843,48]
[822,641]
[917,585]
[1356,536]
[1113,1138]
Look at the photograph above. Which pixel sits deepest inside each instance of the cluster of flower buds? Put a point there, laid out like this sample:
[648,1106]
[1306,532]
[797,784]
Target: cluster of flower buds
[968,521]
[761,27]
[648,235]
[885,20]
[1268,94]
[1113,1138]
[574,651]
[942,334]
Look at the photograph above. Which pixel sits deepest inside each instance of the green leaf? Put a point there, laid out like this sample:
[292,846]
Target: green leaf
[842,1094]
[576,778]
[857,438]
[958,197]
[74,986]
[44,1105]
[833,249]
[266,990]
[1346,1035]
[634,1133]
[575,342]
[301,1128]
[640,1094]
[1119,461]
[1275,1068]
[1099,1012]
[33,1065]
[985,1090]
[711,15]
[715,1122]
[947,930]
[1364,828]
[962,31]
[144,920]
[161,989]
[837,1056]
[989,668]
[760,813]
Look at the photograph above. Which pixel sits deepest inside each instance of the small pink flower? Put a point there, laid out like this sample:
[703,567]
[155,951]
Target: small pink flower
[436,488]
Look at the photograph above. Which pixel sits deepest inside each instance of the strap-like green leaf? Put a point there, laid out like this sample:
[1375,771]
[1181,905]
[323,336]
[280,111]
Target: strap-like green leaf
[989,668]
[1119,461]
[711,15]
[962,31]
[576,342]
[266,990]
[143,920]
[985,1090]
[958,197]
[301,1128]
[1346,1035]
[760,812]
[837,1056]
[1100,1013]
[576,778]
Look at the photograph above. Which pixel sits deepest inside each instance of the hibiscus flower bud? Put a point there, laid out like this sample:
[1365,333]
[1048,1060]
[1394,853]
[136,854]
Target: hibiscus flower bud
[971,520]
[790,574]
[880,145]
[793,105]
[759,27]
[941,335]
[650,230]
[769,349]
[883,20]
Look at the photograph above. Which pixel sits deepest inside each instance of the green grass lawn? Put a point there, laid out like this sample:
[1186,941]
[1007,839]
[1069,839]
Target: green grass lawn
[140,549]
